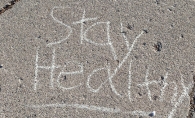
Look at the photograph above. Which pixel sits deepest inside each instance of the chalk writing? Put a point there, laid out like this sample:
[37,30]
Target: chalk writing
[107,68]
[69,73]
[109,43]
[181,98]
[95,108]
[60,22]
[89,77]
[82,23]
[129,82]
[83,34]
[52,68]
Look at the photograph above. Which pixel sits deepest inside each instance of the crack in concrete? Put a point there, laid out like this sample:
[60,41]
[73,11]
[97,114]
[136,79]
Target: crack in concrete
[8,6]
[192,101]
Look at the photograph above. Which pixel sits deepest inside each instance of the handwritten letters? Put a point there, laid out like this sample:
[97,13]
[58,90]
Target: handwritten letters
[84,38]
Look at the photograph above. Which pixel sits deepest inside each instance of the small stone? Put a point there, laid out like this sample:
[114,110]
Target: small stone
[152,114]
[146,31]
[158,46]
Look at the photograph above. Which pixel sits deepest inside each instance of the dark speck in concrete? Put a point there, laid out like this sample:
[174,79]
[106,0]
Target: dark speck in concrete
[136,57]
[162,78]
[152,114]
[157,2]
[140,94]
[158,46]
[155,97]
[64,77]
[124,32]
[130,27]
[146,31]
[182,36]
[174,5]
[170,9]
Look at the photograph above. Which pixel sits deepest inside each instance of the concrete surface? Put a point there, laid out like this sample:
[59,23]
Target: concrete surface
[3,3]
[72,58]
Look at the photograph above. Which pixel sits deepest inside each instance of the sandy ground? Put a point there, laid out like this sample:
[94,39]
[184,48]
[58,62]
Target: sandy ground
[72,58]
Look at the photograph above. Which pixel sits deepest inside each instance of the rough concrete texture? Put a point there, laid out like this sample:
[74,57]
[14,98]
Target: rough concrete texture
[92,58]
[3,3]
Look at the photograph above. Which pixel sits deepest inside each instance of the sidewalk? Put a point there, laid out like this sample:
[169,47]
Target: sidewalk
[97,59]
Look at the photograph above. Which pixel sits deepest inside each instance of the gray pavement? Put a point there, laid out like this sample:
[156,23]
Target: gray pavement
[71,58]
[3,3]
